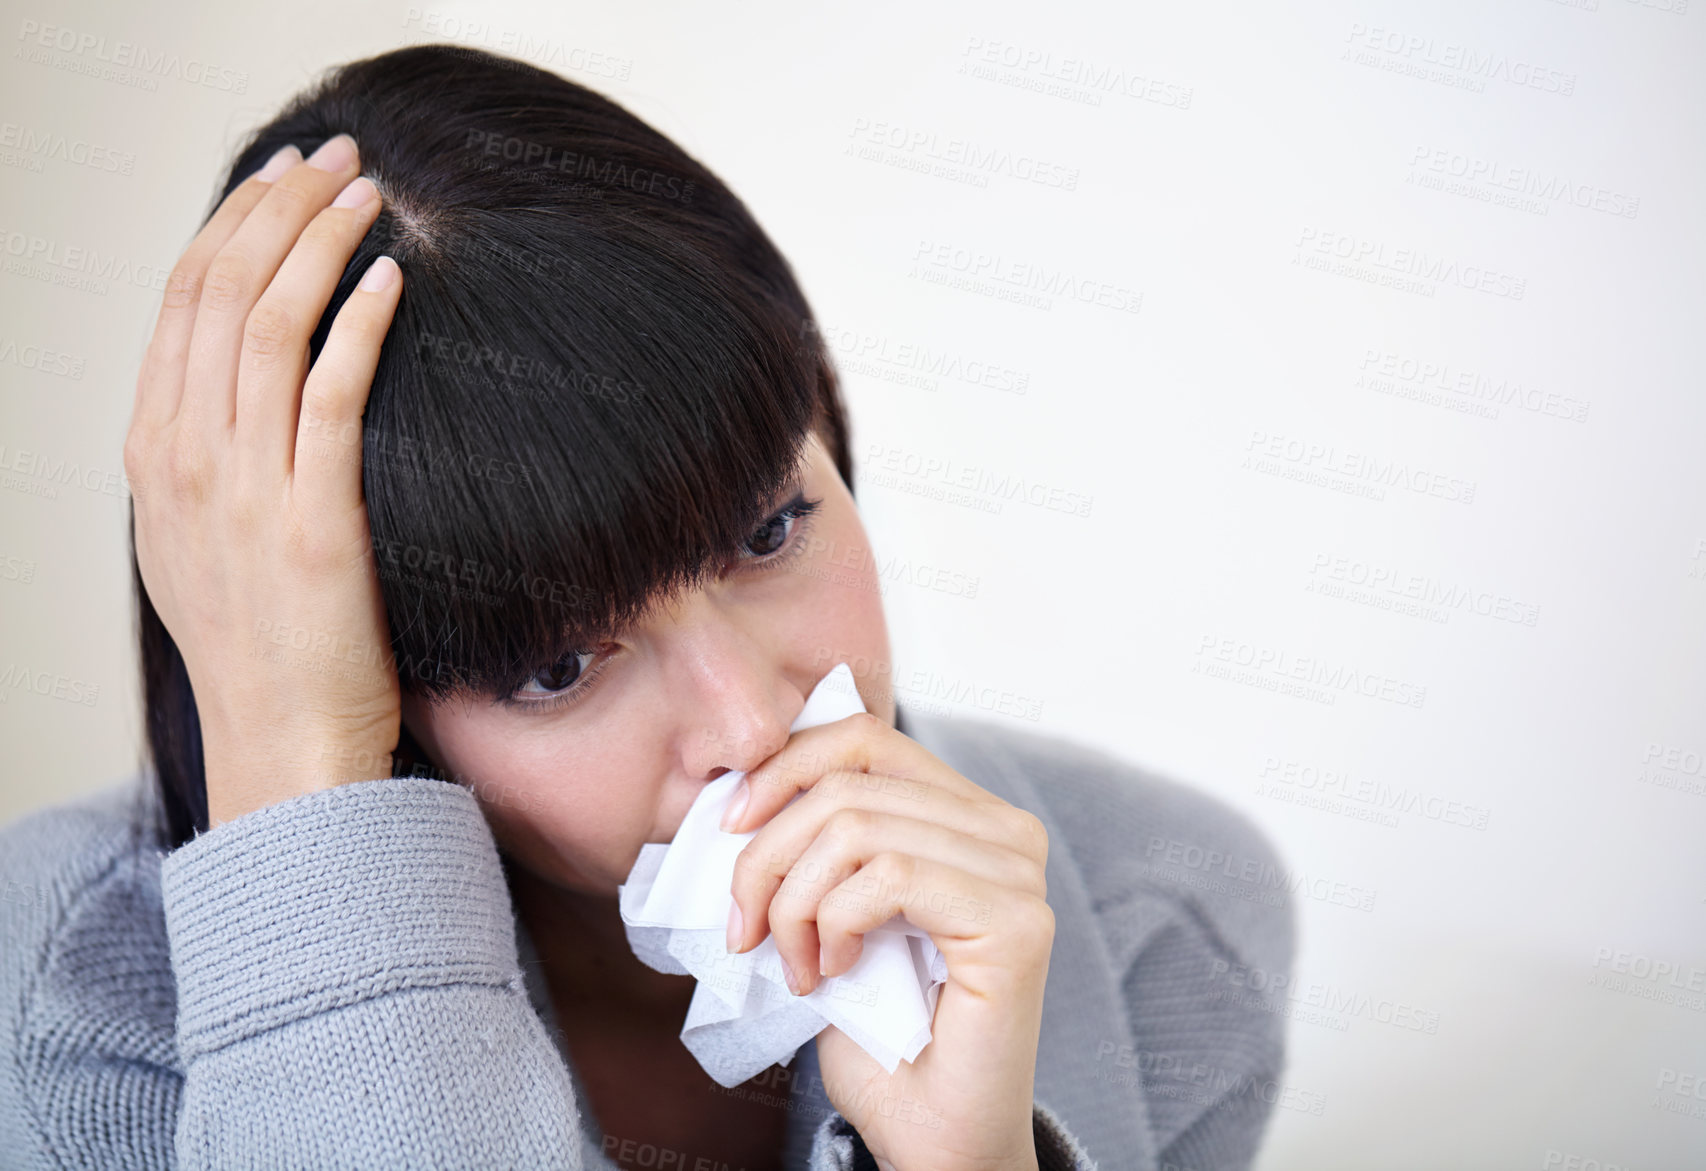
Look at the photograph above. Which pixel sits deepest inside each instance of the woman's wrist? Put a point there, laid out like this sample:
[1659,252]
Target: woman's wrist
[245,775]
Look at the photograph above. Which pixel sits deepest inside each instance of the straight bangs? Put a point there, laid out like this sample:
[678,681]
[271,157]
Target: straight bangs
[546,455]
[599,375]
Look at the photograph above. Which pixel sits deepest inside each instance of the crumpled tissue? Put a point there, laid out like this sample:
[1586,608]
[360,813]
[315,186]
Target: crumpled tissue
[742,1019]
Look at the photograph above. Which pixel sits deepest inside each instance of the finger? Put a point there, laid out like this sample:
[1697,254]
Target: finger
[761,865]
[274,359]
[851,838]
[862,742]
[776,846]
[240,272]
[162,378]
[987,951]
[326,467]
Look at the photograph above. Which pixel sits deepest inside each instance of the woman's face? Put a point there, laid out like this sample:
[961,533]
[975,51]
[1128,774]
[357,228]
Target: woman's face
[706,683]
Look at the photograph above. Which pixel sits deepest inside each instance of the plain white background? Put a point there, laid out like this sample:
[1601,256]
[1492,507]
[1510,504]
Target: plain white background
[1303,401]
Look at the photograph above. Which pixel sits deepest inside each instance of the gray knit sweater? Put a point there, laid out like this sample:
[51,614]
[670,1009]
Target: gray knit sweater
[339,981]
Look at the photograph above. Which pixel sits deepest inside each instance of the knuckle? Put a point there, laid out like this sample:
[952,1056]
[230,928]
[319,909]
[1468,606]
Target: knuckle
[824,788]
[306,543]
[137,446]
[366,329]
[328,227]
[271,330]
[1031,831]
[1036,920]
[316,426]
[1027,920]
[891,865]
[832,924]
[1028,875]
[848,825]
[319,410]
[188,471]
[746,862]
[243,508]
[1039,875]
[807,878]
[285,200]
[228,281]
[309,549]
[183,286]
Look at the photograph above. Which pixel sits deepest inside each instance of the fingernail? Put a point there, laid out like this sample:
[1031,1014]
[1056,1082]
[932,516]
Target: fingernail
[379,275]
[736,807]
[788,975]
[360,191]
[734,927]
[822,962]
[335,154]
[284,158]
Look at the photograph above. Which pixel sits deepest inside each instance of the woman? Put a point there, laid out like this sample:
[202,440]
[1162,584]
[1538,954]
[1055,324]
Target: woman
[492,443]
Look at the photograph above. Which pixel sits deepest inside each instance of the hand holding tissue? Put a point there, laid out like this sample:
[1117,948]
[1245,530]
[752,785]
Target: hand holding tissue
[742,1019]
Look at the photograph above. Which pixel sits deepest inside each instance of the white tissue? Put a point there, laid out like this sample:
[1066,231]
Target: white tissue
[675,908]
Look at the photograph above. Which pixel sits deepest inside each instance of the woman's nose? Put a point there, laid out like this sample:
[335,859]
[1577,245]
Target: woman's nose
[734,687]
[742,720]
[731,745]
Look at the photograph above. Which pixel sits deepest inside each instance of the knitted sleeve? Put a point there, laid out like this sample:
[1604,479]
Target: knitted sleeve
[837,1146]
[349,992]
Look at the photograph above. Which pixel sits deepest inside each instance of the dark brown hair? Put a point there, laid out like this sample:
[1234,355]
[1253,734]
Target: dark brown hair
[600,372]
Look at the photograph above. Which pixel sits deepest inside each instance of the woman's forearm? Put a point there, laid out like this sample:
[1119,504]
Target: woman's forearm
[350,994]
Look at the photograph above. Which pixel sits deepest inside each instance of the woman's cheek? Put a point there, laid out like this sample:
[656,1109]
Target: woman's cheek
[567,837]
[839,613]
[558,821]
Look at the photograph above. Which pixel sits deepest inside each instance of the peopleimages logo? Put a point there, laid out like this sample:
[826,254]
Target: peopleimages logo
[1450,164]
[1277,989]
[1480,66]
[1405,265]
[607,172]
[1466,384]
[36,36]
[861,351]
[1251,878]
[1278,666]
[74,266]
[1073,78]
[1265,452]
[1028,283]
[1372,793]
[1432,594]
[35,145]
[977,160]
[940,476]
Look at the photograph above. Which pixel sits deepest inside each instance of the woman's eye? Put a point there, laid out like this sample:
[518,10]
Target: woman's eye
[563,674]
[771,536]
[567,681]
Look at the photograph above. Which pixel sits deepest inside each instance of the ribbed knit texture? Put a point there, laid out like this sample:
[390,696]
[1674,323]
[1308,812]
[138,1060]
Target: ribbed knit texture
[334,982]
[403,893]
